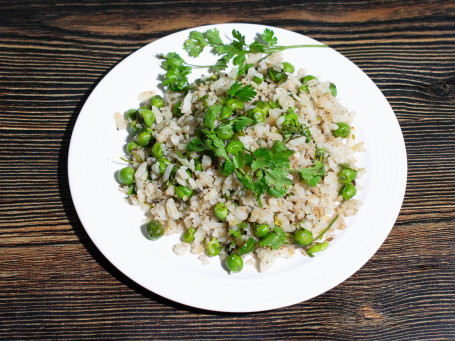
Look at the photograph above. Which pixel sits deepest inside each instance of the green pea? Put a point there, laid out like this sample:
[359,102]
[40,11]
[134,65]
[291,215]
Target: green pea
[148,116]
[226,112]
[303,237]
[213,247]
[333,90]
[188,236]
[343,130]
[347,175]
[144,137]
[308,78]
[154,230]
[317,248]
[224,131]
[163,162]
[197,165]
[234,263]
[130,146]
[131,114]
[176,110]
[234,147]
[183,192]
[133,128]
[157,151]
[288,67]
[126,176]
[348,191]
[221,211]
[156,101]
[258,80]
[304,88]
[234,104]
[261,230]
[257,115]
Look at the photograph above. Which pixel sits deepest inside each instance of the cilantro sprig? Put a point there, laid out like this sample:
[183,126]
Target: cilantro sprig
[275,239]
[176,77]
[312,175]
[237,49]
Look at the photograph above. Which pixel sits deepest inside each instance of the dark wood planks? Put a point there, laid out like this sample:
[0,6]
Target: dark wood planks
[55,284]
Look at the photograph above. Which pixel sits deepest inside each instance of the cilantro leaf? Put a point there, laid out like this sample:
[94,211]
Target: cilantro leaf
[177,71]
[239,160]
[227,168]
[246,93]
[274,239]
[220,65]
[239,41]
[269,37]
[235,87]
[235,233]
[277,156]
[262,159]
[215,144]
[196,145]
[195,44]
[239,59]
[210,115]
[277,182]
[312,175]
[241,123]
[248,247]
[245,180]
[213,37]
[256,47]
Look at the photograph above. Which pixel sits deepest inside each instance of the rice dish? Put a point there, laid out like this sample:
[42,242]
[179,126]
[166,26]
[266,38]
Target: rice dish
[303,206]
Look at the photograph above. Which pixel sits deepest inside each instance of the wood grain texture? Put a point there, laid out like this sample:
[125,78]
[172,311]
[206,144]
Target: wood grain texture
[55,284]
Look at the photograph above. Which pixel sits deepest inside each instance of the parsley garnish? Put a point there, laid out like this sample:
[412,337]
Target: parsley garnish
[248,247]
[274,239]
[312,175]
[210,115]
[243,92]
[178,70]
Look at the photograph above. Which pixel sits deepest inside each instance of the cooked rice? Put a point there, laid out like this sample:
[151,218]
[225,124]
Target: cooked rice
[314,206]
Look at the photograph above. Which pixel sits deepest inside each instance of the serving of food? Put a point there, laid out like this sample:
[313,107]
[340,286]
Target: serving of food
[234,157]
[248,163]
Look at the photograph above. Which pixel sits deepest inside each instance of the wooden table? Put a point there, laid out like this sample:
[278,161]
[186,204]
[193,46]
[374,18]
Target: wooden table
[55,284]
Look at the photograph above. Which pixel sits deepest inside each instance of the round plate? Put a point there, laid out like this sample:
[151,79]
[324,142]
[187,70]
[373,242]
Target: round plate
[114,226]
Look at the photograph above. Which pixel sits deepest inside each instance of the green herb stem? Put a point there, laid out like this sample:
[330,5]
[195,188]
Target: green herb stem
[326,229]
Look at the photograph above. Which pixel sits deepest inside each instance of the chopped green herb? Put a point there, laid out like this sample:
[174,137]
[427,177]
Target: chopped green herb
[248,247]
[274,239]
[312,175]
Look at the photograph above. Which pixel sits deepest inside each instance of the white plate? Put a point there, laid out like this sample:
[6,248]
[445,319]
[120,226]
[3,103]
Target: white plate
[114,226]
